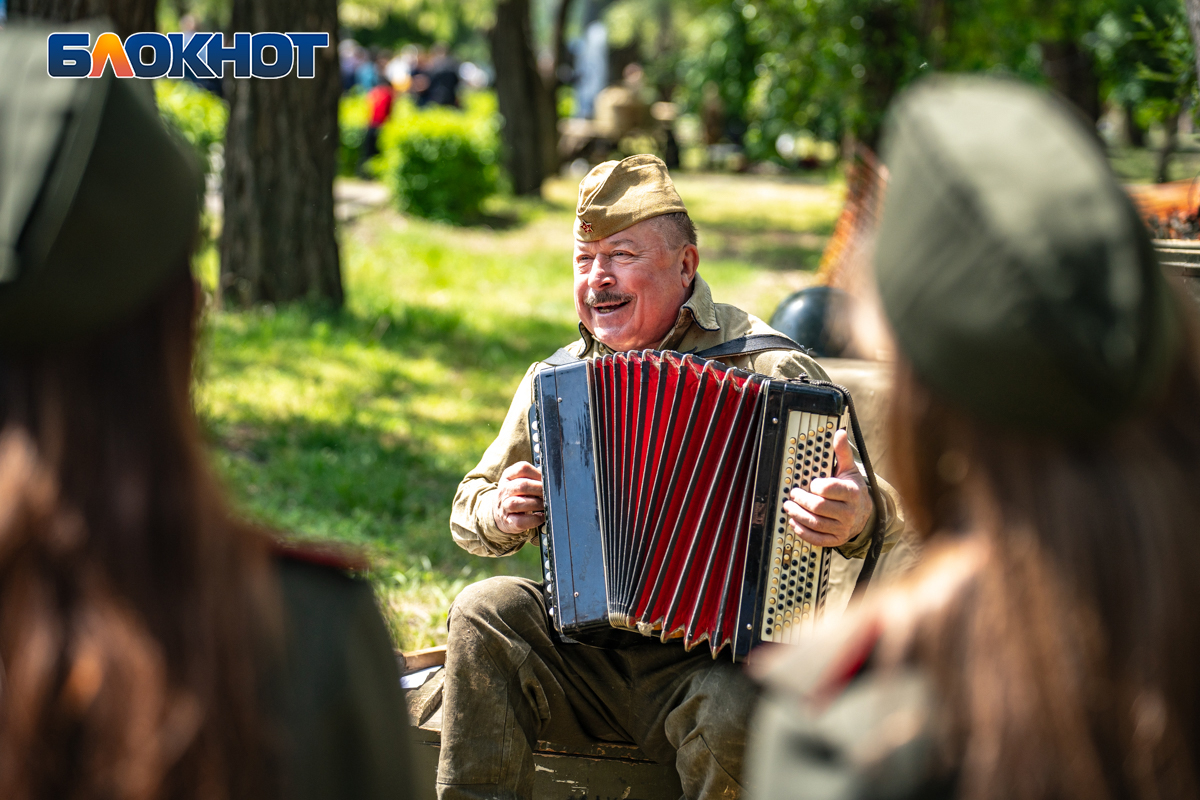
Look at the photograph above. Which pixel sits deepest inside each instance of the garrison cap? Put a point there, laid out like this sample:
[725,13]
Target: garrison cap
[99,203]
[1016,274]
[618,194]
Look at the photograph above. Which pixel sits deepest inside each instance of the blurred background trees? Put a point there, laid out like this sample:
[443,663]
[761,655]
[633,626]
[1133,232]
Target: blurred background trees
[128,16]
[543,85]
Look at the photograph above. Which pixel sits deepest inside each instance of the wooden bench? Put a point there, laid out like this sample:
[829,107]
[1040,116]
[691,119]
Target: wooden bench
[608,771]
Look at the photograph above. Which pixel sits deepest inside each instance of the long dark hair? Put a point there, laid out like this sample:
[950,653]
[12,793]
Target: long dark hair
[1059,615]
[136,614]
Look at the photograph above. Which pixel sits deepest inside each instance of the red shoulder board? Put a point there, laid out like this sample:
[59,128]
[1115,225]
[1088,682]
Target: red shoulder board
[850,662]
[322,554]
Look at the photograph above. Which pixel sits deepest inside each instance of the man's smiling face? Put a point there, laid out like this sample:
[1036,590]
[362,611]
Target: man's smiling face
[629,286]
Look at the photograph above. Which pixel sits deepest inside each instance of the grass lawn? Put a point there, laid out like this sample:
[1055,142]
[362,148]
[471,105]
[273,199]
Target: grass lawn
[357,425]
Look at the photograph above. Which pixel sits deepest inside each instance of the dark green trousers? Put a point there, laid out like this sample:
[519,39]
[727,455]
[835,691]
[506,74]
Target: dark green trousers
[509,685]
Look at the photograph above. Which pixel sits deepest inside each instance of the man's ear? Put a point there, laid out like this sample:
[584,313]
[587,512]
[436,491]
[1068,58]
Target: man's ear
[689,263]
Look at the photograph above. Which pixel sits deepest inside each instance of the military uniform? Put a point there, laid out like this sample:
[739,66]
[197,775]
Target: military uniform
[833,726]
[1023,292]
[99,208]
[510,682]
[342,711]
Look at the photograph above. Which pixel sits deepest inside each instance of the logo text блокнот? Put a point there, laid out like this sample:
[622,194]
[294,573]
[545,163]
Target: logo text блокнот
[203,54]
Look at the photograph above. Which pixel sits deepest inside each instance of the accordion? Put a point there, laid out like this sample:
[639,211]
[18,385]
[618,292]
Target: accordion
[664,478]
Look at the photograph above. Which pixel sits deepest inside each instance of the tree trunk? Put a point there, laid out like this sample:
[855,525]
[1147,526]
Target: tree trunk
[524,102]
[1170,141]
[1193,15]
[277,241]
[128,16]
[1071,72]
[1134,132]
[558,44]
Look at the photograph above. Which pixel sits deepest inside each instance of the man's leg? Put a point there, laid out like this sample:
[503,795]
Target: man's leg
[508,684]
[692,709]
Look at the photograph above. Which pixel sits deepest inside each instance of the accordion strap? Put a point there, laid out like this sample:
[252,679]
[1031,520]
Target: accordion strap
[561,357]
[876,546]
[741,346]
[753,343]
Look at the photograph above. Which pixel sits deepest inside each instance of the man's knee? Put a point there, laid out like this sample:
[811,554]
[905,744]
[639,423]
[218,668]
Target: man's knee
[503,609]
[500,598]
[708,728]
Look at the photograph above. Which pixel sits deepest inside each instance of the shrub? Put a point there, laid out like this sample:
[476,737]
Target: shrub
[199,116]
[441,162]
[353,115]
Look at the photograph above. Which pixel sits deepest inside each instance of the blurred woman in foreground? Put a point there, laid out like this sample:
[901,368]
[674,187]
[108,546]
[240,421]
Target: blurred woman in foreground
[152,646]
[1046,428]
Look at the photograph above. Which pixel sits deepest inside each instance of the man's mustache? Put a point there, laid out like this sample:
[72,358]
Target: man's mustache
[606,297]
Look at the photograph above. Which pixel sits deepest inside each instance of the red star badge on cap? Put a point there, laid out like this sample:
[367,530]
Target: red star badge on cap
[586,226]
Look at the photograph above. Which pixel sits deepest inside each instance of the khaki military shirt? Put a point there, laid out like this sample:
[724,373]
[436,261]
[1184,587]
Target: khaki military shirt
[701,324]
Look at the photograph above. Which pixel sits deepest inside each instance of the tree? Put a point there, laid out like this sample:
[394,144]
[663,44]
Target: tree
[128,16]
[526,104]
[1193,16]
[278,238]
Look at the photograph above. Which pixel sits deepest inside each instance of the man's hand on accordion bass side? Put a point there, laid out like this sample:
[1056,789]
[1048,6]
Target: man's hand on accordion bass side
[520,508]
[836,509]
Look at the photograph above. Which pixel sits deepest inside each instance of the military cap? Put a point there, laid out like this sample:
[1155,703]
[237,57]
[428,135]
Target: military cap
[1017,276]
[98,201]
[618,194]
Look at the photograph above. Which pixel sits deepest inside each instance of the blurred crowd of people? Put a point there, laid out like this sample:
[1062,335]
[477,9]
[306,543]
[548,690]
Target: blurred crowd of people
[433,76]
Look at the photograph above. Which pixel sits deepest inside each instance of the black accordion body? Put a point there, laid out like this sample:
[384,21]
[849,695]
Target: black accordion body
[664,478]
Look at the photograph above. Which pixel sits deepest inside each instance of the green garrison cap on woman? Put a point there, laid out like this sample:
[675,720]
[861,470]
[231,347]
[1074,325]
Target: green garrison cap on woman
[98,202]
[1016,274]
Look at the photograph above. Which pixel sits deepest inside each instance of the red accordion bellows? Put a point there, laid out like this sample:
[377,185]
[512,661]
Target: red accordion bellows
[675,457]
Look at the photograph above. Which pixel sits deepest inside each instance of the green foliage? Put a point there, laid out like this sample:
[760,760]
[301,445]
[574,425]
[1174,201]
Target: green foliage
[442,162]
[390,23]
[1144,51]
[1169,60]
[199,116]
[354,112]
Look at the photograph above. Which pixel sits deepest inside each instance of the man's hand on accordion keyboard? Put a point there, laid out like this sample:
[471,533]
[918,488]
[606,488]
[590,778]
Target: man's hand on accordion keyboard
[520,508]
[836,509]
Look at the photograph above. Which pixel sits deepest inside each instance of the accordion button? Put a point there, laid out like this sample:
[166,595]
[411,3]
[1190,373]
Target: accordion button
[547,564]
[550,611]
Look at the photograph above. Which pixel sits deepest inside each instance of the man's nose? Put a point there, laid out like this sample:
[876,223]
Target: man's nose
[599,276]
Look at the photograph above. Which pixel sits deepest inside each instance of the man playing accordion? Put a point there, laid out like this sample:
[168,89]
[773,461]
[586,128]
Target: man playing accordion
[509,680]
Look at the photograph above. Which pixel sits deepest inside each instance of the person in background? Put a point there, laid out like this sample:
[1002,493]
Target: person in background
[350,58]
[153,645]
[366,76]
[399,70]
[379,102]
[442,88]
[1046,433]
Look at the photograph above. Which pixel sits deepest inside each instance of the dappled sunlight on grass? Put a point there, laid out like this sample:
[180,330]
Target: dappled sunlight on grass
[357,425]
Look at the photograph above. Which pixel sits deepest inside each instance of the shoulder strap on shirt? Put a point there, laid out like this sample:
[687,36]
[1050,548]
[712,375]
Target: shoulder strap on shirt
[753,343]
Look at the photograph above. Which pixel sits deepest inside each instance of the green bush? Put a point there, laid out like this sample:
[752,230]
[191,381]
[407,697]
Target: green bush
[198,115]
[353,115]
[442,162]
